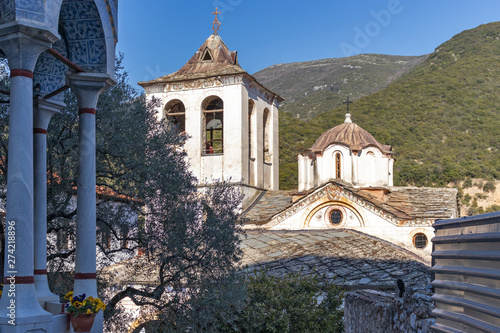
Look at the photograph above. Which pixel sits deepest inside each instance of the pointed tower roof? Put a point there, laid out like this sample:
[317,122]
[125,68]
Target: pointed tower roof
[213,58]
[348,134]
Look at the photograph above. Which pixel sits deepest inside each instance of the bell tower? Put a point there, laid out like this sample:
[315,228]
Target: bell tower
[230,119]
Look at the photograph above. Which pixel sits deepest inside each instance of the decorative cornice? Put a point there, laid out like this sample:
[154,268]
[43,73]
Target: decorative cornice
[335,193]
[195,84]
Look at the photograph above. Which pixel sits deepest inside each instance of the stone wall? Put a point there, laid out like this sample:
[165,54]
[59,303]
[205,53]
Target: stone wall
[375,311]
[413,312]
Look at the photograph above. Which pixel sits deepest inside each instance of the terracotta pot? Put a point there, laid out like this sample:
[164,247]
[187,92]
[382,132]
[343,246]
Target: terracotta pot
[83,322]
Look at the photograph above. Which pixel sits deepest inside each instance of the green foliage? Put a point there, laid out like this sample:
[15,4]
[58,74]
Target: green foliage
[441,118]
[467,198]
[480,196]
[188,237]
[312,87]
[492,208]
[260,303]
[290,304]
[467,183]
[489,186]
[474,210]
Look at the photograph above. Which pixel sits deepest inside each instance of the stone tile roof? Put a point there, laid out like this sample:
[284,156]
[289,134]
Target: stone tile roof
[213,58]
[353,259]
[402,202]
[349,258]
[268,205]
[351,135]
[424,202]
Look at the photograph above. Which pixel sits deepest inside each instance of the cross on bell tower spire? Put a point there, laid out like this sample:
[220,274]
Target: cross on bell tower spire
[216,24]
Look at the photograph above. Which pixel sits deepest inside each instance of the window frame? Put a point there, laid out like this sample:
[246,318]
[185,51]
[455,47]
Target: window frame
[210,109]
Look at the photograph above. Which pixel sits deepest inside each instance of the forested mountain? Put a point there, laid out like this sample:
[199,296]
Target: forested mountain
[442,118]
[313,87]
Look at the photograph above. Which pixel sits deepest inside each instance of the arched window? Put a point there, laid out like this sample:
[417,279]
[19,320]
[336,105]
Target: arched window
[266,122]
[250,129]
[338,166]
[175,112]
[213,111]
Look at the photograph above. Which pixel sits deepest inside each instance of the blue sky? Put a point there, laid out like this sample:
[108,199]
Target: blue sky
[158,36]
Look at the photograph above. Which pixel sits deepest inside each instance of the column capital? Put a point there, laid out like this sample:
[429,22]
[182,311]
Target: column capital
[22,50]
[88,86]
[43,110]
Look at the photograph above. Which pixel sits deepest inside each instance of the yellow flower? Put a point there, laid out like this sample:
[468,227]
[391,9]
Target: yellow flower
[90,299]
[89,311]
[77,304]
[69,295]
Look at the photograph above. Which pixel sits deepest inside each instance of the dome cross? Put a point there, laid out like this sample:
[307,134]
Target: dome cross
[347,101]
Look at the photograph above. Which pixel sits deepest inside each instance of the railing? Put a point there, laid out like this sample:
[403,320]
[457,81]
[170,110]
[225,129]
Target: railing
[466,269]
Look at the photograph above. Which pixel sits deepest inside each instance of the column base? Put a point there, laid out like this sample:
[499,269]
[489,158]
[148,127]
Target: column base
[42,324]
[43,293]
[20,308]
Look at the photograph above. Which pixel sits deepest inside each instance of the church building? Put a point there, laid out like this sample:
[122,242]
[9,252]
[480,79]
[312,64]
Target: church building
[230,119]
[345,179]
[346,182]
[346,152]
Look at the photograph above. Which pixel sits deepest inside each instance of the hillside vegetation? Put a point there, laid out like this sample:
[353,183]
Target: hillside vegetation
[313,87]
[442,118]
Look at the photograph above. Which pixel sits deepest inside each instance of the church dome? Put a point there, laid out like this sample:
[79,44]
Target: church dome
[350,135]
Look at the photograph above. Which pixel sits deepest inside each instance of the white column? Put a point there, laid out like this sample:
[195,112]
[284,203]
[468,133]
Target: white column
[301,173]
[19,304]
[391,172]
[87,88]
[319,169]
[355,157]
[43,111]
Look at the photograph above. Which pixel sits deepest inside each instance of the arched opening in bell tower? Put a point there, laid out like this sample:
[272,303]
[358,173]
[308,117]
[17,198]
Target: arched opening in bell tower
[267,136]
[213,138]
[175,113]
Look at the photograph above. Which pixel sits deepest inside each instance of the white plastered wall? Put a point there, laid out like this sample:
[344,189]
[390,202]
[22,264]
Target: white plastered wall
[356,217]
[235,163]
[369,167]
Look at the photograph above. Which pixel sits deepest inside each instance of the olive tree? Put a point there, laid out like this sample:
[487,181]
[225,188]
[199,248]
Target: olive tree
[150,212]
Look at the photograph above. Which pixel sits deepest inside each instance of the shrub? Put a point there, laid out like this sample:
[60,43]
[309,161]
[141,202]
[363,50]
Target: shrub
[467,183]
[489,187]
[481,196]
[292,303]
[260,303]
[467,198]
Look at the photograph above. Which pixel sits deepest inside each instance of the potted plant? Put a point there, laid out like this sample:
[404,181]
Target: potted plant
[82,311]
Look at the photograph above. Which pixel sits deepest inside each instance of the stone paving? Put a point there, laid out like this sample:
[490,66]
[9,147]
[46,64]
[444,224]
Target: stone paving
[352,259]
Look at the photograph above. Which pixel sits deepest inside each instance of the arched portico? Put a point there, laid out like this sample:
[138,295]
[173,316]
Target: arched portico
[41,43]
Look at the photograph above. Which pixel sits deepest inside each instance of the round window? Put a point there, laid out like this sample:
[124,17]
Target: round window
[420,241]
[336,217]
